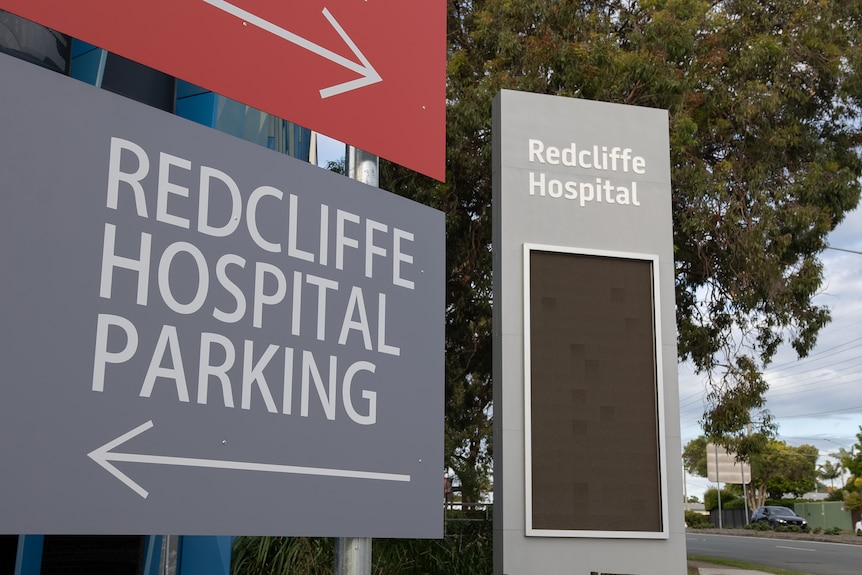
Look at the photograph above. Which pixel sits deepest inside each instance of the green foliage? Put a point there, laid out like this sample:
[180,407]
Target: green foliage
[282,556]
[338,166]
[832,531]
[765,133]
[466,549]
[782,469]
[852,462]
[735,503]
[852,500]
[776,469]
[694,456]
[697,520]
[729,499]
[836,495]
[830,472]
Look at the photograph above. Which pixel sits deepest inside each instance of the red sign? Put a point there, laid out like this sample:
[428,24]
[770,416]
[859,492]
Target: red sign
[370,73]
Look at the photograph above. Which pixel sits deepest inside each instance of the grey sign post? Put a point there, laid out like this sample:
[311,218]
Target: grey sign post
[586,424]
[353,554]
[200,336]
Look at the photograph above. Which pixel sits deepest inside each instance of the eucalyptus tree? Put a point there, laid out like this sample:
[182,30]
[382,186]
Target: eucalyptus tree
[763,99]
[777,469]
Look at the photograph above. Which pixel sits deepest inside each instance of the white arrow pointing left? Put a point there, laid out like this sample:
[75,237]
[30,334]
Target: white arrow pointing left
[104,456]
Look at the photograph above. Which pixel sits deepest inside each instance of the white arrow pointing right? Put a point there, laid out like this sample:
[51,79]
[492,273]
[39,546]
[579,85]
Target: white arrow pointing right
[104,456]
[367,72]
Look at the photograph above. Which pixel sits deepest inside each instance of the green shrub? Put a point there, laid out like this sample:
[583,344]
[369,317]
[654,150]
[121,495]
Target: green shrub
[466,549]
[282,555]
[836,495]
[729,499]
[697,520]
[833,531]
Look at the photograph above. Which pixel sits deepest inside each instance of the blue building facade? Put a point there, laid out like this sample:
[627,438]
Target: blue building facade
[34,554]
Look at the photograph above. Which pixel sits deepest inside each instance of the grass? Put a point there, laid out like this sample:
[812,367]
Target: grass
[738,565]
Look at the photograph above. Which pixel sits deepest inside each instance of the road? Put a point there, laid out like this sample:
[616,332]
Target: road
[811,557]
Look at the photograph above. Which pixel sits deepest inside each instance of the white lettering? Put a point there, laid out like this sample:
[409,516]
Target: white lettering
[309,372]
[341,240]
[370,249]
[382,346]
[253,374]
[166,187]
[261,270]
[537,183]
[115,176]
[206,369]
[356,304]
[287,398]
[231,288]
[370,396]
[110,261]
[251,217]
[536,147]
[292,227]
[208,174]
[103,356]
[607,158]
[168,339]
[322,284]
[398,256]
[164,278]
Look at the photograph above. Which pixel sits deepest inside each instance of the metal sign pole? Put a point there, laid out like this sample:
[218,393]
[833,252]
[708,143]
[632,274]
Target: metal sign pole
[353,554]
[744,490]
[362,166]
[718,485]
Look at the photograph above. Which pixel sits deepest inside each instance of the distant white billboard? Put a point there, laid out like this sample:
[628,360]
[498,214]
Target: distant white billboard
[722,467]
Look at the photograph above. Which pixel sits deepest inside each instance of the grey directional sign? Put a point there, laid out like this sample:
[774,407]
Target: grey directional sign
[723,467]
[202,336]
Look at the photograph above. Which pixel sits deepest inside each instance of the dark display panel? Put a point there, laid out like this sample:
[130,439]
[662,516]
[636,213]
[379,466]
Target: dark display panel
[593,383]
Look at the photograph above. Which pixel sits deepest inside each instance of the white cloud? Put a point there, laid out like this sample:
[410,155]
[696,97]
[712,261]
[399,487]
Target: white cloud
[815,400]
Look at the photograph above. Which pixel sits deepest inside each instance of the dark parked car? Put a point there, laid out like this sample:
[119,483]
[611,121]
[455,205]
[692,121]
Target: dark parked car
[778,516]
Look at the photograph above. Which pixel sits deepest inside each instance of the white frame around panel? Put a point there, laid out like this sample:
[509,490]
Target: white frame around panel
[659,383]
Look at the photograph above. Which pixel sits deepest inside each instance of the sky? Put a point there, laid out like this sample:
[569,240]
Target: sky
[328,150]
[816,400]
